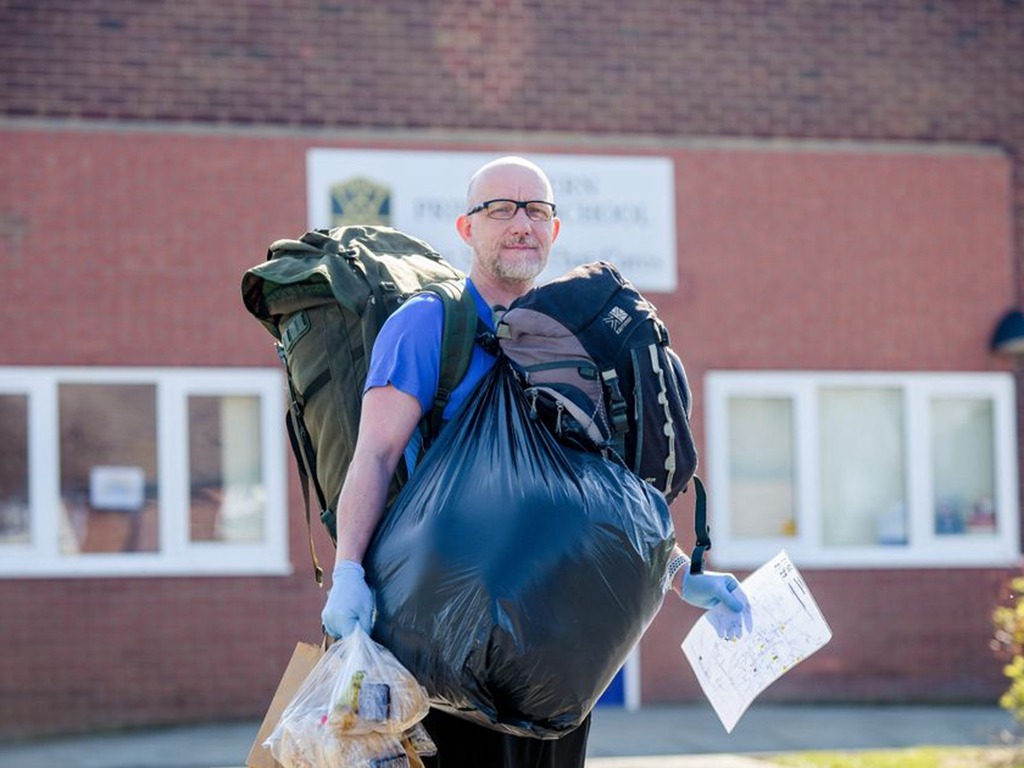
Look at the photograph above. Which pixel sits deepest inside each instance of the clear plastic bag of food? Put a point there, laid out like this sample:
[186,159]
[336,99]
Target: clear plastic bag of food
[309,742]
[373,692]
[359,707]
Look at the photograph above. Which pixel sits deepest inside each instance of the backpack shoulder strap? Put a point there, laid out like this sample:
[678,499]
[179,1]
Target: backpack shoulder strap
[457,337]
[700,527]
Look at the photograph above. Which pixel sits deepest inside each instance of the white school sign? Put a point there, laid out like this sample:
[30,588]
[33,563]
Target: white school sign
[613,208]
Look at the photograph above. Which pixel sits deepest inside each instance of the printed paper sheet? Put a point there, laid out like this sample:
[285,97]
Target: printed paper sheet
[787,628]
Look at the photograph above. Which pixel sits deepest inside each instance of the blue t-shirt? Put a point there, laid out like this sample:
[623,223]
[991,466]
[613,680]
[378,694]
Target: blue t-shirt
[407,355]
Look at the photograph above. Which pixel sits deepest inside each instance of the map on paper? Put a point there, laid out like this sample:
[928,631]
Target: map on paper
[787,628]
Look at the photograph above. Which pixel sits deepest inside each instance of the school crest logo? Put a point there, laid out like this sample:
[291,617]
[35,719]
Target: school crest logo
[360,201]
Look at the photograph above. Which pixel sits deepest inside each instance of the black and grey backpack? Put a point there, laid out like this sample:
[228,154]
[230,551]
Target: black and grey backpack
[598,370]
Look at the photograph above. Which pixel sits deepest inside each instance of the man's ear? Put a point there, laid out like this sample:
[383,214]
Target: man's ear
[465,226]
[556,226]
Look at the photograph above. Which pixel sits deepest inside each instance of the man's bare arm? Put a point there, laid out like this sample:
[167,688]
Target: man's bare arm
[389,417]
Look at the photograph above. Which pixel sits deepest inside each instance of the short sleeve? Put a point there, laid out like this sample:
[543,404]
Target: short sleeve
[407,352]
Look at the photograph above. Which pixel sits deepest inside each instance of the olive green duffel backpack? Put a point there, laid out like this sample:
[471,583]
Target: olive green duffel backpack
[324,298]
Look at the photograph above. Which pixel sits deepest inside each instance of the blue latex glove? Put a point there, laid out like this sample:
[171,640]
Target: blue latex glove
[722,596]
[349,603]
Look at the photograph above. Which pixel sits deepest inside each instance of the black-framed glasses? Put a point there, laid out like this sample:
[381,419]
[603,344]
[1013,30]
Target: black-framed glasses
[502,209]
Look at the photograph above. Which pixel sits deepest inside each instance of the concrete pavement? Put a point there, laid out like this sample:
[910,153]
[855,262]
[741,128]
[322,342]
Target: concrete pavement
[765,729]
[654,737]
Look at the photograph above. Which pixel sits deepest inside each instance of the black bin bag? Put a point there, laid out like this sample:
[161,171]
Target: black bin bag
[514,575]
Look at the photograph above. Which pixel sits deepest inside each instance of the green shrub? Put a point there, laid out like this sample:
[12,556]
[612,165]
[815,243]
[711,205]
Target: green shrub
[1008,643]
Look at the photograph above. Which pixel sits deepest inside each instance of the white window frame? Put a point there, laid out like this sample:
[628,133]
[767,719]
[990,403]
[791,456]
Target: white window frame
[925,548]
[177,555]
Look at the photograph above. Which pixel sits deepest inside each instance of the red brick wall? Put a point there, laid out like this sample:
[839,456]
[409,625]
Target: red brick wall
[136,244]
[898,636]
[905,68]
[902,266]
[846,260]
[128,249]
[108,231]
[852,260]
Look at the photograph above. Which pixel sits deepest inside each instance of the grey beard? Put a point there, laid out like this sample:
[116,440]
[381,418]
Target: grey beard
[520,270]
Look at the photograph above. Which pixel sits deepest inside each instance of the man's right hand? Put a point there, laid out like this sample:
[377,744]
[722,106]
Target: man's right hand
[349,602]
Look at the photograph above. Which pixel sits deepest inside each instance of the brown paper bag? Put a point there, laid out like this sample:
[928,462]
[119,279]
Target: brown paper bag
[415,761]
[303,659]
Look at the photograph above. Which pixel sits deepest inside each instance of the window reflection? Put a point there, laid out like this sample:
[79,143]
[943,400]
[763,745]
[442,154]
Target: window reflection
[14,500]
[761,467]
[862,466]
[108,468]
[228,501]
[963,466]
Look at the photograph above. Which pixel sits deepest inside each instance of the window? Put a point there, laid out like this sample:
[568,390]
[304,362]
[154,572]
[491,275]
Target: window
[861,469]
[141,472]
[14,480]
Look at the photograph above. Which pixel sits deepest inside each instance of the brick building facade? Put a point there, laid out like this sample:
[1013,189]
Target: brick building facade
[848,199]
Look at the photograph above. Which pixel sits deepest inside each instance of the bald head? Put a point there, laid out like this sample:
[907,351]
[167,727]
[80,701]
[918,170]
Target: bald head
[505,167]
[508,252]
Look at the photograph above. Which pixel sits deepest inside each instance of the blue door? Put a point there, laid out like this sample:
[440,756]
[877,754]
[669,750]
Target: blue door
[615,694]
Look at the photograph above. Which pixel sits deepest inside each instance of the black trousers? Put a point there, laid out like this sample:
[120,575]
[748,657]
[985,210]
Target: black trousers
[462,744]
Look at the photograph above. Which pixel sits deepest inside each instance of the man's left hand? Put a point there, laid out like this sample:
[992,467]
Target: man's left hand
[710,589]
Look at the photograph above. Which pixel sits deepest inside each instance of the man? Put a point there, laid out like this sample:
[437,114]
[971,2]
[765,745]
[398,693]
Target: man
[510,225]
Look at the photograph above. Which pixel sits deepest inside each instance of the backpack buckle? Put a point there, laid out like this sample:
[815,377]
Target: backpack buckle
[617,409]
